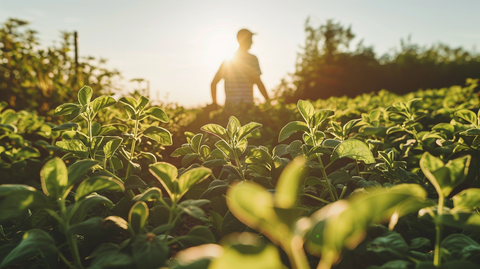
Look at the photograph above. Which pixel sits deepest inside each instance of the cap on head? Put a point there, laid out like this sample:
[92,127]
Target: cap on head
[243,34]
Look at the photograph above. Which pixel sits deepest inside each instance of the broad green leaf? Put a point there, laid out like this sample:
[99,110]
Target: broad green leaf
[390,246]
[189,178]
[159,135]
[149,251]
[350,125]
[461,247]
[353,149]
[253,205]
[289,182]
[141,103]
[183,150]
[204,151]
[247,250]
[344,223]
[8,117]
[157,113]
[97,184]
[34,241]
[66,126]
[79,168]
[80,209]
[195,142]
[444,177]
[197,236]
[102,102]
[216,130]
[66,109]
[130,112]
[319,136]
[134,182]
[129,101]
[74,146]
[232,127]
[291,128]
[306,109]
[241,146]
[468,199]
[258,155]
[54,178]
[85,95]
[150,194]
[27,153]
[17,198]
[467,115]
[189,158]
[96,142]
[90,227]
[246,130]
[225,148]
[320,116]
[111,147]
[138,215]
[166,174]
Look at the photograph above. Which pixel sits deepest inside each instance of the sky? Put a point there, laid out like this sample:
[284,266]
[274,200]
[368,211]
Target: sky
[178,45]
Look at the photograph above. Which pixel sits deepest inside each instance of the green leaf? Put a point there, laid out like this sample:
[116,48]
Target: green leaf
[130,112]
[111,147]
[157,113]
[138,215]
[468,199]
[197,236]
[187,159]
[150,194]
[306,109]
[204,151]
[98,184]
[291,128]
[232,127]
[85,95]
[286,193]
[166,174]
[467,115]
[320,116]
[149,251]
[141,103]
[34,241]
[353,149]
[79,168]
[102,102]
[195,142]
[27,152]
[184,150]
[258,155]
[225,148]
[66,126]
[74,146]
[159,135]
[80,209]
[129,101]
[189,178]
[444,177]
[216,130]
[246,130]
[17,198]
[90,227]
[54,178]
[389,247]
[66,109]
[461,247]
[134,182]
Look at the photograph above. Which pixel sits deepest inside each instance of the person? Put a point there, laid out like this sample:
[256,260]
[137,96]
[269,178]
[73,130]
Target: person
[240,74]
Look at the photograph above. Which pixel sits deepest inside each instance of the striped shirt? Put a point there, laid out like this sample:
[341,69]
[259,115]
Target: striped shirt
[239,74]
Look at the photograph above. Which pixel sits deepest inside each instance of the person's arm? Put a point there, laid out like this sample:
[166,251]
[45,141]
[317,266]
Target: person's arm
[261,87]
[213,86]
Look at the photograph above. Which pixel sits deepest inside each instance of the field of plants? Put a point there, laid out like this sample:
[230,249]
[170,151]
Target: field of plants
[375,181]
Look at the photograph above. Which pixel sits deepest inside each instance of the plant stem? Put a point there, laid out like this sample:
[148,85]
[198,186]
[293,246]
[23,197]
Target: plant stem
[437,259]
[296,255]
[132,149]
[356,167]
[316,198]
[65,260]
[324,173]
[70,238]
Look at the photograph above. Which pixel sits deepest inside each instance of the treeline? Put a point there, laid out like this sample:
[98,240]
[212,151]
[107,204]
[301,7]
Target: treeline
[328,66]
[41,78]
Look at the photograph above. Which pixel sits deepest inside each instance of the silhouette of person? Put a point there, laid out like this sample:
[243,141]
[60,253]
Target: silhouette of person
[240,74]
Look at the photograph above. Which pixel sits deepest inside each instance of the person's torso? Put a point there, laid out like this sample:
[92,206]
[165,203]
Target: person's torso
[239,76]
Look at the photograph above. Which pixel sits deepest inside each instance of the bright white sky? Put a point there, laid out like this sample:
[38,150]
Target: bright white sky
[178,45]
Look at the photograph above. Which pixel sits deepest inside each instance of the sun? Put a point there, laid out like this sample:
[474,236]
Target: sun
[219,44]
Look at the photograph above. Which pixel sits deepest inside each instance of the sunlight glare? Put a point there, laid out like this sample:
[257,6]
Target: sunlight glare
[219,43]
